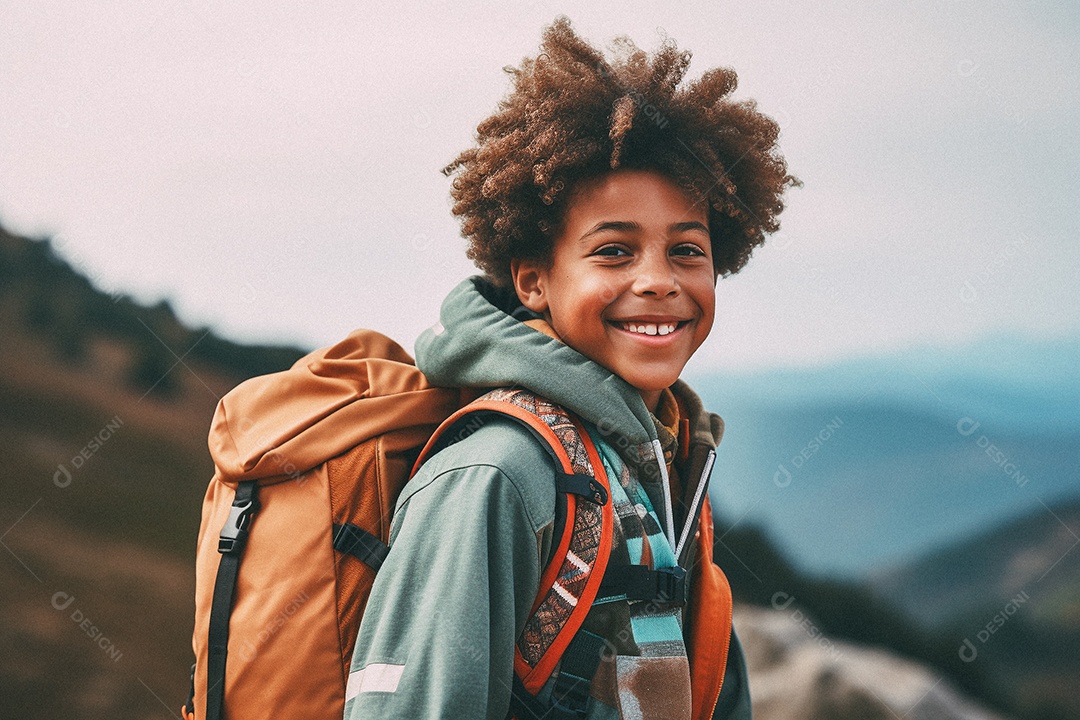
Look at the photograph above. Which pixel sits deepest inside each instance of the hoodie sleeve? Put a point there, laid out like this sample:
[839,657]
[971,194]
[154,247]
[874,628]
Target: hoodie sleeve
[437,638]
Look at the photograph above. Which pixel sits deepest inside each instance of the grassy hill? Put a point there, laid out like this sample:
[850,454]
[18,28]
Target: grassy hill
[112,398]
[104,411]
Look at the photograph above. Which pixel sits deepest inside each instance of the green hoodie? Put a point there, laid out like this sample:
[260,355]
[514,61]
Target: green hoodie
[473,529]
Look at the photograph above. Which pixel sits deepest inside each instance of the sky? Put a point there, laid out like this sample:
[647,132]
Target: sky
[273,169]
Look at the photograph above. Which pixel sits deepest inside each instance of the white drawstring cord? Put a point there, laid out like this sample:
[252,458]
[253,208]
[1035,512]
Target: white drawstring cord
[695,508]
[669,530]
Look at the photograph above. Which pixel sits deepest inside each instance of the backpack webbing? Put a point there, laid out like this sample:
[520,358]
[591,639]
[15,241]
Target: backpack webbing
[570,694]
[231,545]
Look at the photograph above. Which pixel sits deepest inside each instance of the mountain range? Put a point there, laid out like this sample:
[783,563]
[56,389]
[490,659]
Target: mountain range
[862,465]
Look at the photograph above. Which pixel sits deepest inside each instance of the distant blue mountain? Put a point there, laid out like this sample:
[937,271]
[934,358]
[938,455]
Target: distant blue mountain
[868,463]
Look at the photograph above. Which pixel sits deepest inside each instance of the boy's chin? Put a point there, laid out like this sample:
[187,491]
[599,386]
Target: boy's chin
[653,386]
[653,380]
[649,380]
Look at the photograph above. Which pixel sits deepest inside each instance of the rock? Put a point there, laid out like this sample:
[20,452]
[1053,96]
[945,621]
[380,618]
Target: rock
[797,673]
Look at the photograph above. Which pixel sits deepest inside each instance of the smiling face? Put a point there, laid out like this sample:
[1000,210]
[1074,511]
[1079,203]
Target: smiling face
[630,282]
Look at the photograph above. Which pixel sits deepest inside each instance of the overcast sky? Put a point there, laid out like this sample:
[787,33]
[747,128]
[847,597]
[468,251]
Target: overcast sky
[273,169]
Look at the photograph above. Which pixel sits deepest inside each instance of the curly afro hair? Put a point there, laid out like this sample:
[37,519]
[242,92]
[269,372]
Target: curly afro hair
[574,115]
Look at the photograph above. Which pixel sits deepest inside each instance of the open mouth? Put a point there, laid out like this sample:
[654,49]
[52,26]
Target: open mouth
[644,328]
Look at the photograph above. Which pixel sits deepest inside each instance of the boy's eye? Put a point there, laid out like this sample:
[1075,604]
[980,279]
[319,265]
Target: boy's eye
[611,251]
[688,251]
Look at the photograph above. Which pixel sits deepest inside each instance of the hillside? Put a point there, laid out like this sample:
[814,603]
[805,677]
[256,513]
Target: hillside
[106,403]
[104,410]
[950,481]
[1036,554]
[799,674]
[1009,597]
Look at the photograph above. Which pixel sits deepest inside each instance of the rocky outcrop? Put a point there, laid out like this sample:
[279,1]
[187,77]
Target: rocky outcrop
[796,673]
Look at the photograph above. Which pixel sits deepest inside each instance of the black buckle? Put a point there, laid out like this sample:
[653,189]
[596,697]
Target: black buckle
[637,583]
[599,496]
[671,585]
[235,530]
[361,544]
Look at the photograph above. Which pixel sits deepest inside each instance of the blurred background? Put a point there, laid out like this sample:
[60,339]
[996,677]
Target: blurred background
[192,194]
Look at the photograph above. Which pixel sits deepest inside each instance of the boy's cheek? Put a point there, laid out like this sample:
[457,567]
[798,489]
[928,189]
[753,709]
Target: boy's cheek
[705,326]
[607,294]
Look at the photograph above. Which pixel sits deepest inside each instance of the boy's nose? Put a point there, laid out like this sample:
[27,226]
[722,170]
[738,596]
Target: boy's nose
[656,277]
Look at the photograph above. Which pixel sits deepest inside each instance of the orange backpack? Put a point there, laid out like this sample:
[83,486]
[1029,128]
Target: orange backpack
[308,466]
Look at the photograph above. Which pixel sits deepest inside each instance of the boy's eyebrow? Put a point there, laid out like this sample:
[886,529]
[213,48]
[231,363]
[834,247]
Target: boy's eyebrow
[617,225]
[689,225]
[629,225]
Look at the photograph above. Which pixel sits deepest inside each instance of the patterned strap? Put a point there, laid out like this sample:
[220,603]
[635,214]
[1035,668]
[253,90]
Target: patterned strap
[571,581]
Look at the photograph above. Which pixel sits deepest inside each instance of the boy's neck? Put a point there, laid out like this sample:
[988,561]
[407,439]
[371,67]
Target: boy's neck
[651,398]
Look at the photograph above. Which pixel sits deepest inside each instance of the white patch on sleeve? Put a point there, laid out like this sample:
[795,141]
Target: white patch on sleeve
[377,677]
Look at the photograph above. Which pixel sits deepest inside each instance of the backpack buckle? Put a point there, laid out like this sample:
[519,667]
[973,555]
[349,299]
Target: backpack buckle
[671,585]
[640,583]
[235,530]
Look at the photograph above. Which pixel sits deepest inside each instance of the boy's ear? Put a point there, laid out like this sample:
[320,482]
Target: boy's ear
[530,281]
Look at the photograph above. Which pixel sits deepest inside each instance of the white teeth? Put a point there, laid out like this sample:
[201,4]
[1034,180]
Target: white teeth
[651,329]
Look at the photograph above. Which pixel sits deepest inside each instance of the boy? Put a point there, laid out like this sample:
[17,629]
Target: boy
[603,204]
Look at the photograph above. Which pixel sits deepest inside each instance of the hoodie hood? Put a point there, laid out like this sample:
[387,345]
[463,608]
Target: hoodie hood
[706,428]
[479,342]
[283,424]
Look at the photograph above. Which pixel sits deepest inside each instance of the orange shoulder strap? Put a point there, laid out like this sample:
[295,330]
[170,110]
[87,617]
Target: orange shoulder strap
[710,629]
[571,580]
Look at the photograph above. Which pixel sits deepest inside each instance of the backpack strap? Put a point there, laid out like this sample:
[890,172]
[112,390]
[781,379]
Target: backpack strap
[571,581]
[231,546]
[362,545]
[570,695]
[187,710]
